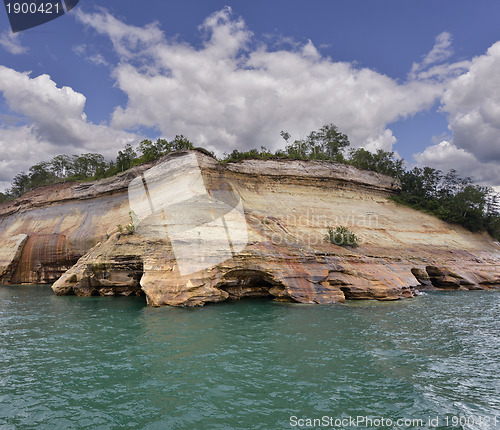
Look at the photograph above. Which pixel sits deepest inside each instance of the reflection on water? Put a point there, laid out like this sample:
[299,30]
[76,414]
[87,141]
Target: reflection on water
[68,362]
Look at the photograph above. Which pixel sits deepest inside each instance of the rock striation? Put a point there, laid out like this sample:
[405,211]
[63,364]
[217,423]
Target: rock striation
[249,229]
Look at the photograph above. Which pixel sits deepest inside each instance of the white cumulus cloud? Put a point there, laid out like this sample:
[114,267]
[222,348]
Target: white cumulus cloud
[234,91]
[445,156]
[55,123]
[472,105]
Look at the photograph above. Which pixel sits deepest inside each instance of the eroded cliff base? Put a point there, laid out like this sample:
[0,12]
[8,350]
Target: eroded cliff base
[131,264]
[278,251]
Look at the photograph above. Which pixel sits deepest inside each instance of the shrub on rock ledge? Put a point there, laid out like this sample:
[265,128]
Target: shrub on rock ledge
[341,236]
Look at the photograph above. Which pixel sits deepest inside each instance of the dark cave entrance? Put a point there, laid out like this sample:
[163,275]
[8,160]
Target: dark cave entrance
[255,284]
[349,295]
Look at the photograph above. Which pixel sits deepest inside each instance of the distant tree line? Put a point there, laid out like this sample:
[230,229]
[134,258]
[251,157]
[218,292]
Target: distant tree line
[451,198]
[92,166]
[326,144]
[447,196]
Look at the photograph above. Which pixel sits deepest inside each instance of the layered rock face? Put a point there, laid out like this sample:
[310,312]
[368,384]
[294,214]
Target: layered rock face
[204,232]
[46,231]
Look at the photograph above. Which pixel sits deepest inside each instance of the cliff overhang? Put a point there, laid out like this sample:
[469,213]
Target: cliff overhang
[68,234]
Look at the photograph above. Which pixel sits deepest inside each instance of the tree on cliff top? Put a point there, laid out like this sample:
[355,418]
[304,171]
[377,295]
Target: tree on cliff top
[381,161]
[125,158]
[451,198]
[327,143]
[447,196]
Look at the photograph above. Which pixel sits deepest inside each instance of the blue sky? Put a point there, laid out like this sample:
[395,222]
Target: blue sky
[421,78]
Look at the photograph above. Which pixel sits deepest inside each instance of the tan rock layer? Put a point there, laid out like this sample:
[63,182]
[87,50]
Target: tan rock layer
[10,254]
[287,205]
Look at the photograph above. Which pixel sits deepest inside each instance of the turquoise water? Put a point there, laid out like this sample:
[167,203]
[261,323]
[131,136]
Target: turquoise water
[110,363]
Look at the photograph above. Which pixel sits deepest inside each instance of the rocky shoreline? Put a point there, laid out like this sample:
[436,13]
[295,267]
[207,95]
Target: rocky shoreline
[68,234]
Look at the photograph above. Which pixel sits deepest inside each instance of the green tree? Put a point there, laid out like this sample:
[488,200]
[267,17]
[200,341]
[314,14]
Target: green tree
[451,198]
[87,166]
[285,135]
[381,161]
[328,143]
[150,151]
[125,158]
[60,166]
[20,184]
[331,141]
[180,142]
[164,146]
[420,188]
[361,158]
[4,197]
[40,174]
[297,150]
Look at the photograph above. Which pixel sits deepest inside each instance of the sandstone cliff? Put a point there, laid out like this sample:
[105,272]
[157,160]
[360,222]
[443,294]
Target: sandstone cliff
[259,228]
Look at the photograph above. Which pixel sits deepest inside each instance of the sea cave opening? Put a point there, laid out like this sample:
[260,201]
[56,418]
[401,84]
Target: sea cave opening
[255,284]
[349,295]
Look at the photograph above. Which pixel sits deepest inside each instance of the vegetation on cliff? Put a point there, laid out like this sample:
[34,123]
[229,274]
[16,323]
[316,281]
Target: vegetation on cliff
[341,236]
[451,198]
[326,144]
[92,166]
[447,196]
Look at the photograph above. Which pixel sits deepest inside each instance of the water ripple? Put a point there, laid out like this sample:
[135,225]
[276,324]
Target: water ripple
[104,363]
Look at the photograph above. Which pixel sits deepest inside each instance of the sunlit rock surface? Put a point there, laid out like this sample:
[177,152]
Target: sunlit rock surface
[10,254]
[190,246]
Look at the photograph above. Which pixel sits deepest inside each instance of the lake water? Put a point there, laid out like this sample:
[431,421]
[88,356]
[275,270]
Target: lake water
[112,363]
